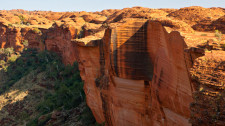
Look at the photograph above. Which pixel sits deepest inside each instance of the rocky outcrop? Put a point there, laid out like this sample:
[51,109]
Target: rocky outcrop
[10,37]
[3,35]
[35,40]
[208,77]
[137,75]
[58,39]
[207,25]
[195,14]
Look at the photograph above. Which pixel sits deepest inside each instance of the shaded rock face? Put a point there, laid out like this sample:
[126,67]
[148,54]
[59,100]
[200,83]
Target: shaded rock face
[3,36]
[137,75]
[35,40]
[14,38]
[89,65]
[58,40]
[129,52]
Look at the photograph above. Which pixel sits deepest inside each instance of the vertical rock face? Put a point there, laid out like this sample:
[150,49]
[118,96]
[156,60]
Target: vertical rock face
[171,88]
[58,39]
[36,40]
[10,37]
[129,54]
[2,36]
[88,58]
[137,75]
[14,38]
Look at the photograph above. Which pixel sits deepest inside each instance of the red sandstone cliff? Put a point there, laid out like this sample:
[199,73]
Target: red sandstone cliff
[10,37]
[136,74]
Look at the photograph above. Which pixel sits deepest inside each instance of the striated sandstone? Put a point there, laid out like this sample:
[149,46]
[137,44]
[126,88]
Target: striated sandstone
[137,75]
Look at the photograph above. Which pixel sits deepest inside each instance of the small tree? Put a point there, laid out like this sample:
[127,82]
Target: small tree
[37,30]
[25,43]
[10,25]
[21,19]
[8,51]
[218,34]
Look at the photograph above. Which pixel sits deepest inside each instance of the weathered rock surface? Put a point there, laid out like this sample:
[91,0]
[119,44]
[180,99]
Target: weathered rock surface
[137,75]
[207,25]
[208,77]
[195,14]
[10,37]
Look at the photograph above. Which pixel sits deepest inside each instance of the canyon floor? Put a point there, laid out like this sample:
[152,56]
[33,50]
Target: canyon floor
[115,94]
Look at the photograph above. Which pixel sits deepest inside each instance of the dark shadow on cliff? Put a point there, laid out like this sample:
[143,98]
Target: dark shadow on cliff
[132,57]
[37,89]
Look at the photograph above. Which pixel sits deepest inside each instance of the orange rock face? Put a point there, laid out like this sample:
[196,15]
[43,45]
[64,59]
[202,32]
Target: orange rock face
[10,37]
[137,75]
[3,35]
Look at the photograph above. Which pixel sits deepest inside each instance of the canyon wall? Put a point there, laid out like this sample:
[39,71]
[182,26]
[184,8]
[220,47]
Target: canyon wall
[137,74]
[10,37]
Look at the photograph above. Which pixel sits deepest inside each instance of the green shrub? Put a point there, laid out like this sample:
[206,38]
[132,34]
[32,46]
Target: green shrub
[25,43]
[22,19]
[10,25]
[2,50]
[8,51]
[68,90]
[2,62]
[204,35]
[218,34]
[28,62]
[12,58]
[87,117]
[23,115]
[45,120]
[36,30]
[33,122]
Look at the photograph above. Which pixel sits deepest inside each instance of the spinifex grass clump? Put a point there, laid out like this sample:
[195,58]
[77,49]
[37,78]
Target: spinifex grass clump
[218,34]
